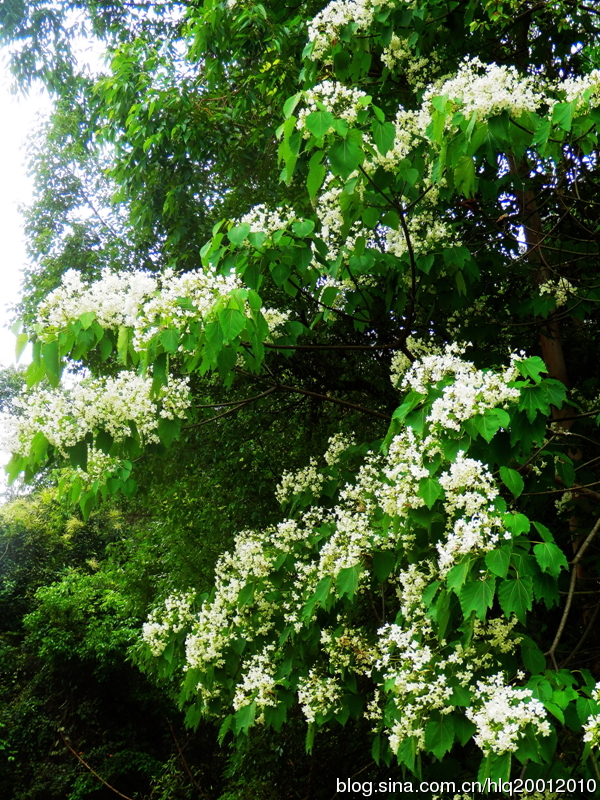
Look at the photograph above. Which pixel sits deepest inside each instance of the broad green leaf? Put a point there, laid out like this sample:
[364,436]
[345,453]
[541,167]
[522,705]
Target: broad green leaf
[86,319]
[464,176]
[517,523]
[487,424]
[51,358]
[347,581]
[477,596]
[21,344]
[533,658]
[290,104]
[512,479]
[384,134]
[531,367]
[170,340]
[123,343]
[550,558]
[543,532]
[430,490]
[244,717]
[411,401]
[498,561]
[232,323]
[319,122]
[562,115]
[239,233]
[516,597]
[533,400]
[78,455]
[458,575]
[439,735]
[384,562]
[463,727]
[303,227]
[546,589]
[556,392]
[168,430]
[345,156]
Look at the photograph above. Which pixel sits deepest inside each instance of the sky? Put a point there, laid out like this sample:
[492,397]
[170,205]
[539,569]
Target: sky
[19,116]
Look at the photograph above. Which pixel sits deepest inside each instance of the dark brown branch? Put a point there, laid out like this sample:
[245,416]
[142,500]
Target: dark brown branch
[94,773]
[185,764]
[573,564]
[239,405]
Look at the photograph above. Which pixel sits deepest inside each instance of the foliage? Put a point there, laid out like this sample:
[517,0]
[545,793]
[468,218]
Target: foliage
[431,218]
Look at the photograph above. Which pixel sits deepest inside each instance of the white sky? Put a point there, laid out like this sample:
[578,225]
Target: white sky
[17,118]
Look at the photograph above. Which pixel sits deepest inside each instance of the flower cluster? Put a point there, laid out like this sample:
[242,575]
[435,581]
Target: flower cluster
[172,617]
[66,415]
[326,26]
[488,89]
[560,289]
[342,102]
[268,220]
[503,714]
[592,725]
[582,90]
[257,684]
[414,672]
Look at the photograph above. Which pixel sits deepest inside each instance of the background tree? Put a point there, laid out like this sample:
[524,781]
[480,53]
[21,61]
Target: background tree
[404,189]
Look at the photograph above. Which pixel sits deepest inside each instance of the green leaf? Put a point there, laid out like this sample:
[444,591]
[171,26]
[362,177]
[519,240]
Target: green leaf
[543,532]
[170,340]
[550,558]
[347,580]
[512,480]
[556,392]
[123,343]
[86,319]
[232,323]
[439,735]
[458,575]
[477,596]
[319,122]
[168,430]
[21,344]
[562,115]
[430,490]
[464,176]
[516,597]
[316,173]
[411,401]
[78,455]
[384,562]
[384,134]
[238,234]
[290,104]
[498,561]
[534,399]
[303,227]
[531,367]
[51,359]
[244,717]
[345,156]
[533,658]
[487,424]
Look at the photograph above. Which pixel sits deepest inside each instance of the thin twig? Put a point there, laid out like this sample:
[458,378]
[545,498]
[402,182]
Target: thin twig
[94,773]
[585,635]
[185,764]
[237,407]
[573,564]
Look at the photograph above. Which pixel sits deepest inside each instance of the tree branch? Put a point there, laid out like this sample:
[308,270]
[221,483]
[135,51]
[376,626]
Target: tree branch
[94,773]
[573,564]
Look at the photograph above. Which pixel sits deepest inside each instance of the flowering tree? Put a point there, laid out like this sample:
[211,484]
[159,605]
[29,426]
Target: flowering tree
[427,260]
